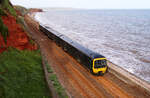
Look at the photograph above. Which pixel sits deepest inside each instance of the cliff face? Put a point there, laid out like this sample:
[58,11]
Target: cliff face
[11,33]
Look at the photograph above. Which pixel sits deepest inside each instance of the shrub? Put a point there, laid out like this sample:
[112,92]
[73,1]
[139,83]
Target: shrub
[3,30]
[21,9]
[7,5]
[2,13]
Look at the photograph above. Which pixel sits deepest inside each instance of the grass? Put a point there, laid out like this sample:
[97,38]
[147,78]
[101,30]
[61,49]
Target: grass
[21,9]
[20,20]
[48,68]
[6,5]
[31,41]
[2,13]
[58,88]
[3,30]
[21,75]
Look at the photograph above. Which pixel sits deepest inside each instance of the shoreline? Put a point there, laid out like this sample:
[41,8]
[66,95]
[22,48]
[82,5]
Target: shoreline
[120,73]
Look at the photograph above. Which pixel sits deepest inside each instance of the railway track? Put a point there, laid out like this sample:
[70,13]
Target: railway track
[76,79]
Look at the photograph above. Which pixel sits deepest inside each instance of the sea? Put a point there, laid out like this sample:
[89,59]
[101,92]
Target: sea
[122,36]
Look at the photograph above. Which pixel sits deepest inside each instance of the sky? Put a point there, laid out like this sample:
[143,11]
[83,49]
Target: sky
[87,4]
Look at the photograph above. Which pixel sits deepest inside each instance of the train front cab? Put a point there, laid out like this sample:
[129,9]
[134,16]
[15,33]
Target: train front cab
[99,66]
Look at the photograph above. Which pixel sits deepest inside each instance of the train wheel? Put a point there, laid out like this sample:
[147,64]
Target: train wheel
[101,74]
[107,70]
[91,71]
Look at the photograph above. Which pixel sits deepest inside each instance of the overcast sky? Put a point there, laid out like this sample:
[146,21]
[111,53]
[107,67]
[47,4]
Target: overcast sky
[90,4]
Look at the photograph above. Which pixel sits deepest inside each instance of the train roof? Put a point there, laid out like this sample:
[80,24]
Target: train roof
[82,49]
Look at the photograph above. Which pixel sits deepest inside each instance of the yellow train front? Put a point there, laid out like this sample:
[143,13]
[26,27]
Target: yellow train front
[99,66]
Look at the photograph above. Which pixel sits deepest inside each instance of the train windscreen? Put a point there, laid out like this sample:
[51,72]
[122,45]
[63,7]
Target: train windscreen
[100,63]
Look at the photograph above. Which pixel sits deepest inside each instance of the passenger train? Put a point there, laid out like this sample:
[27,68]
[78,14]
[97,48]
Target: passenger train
[95,62]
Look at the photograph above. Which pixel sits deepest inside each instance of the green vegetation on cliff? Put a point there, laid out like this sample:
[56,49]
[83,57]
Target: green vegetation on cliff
[21,75]
[6,5]
[3,29]
[21,9]
[2,13]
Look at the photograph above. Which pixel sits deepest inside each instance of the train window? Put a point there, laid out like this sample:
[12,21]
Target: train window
[100,63]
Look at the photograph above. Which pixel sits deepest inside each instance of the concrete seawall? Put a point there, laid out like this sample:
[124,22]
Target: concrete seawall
[128,78]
